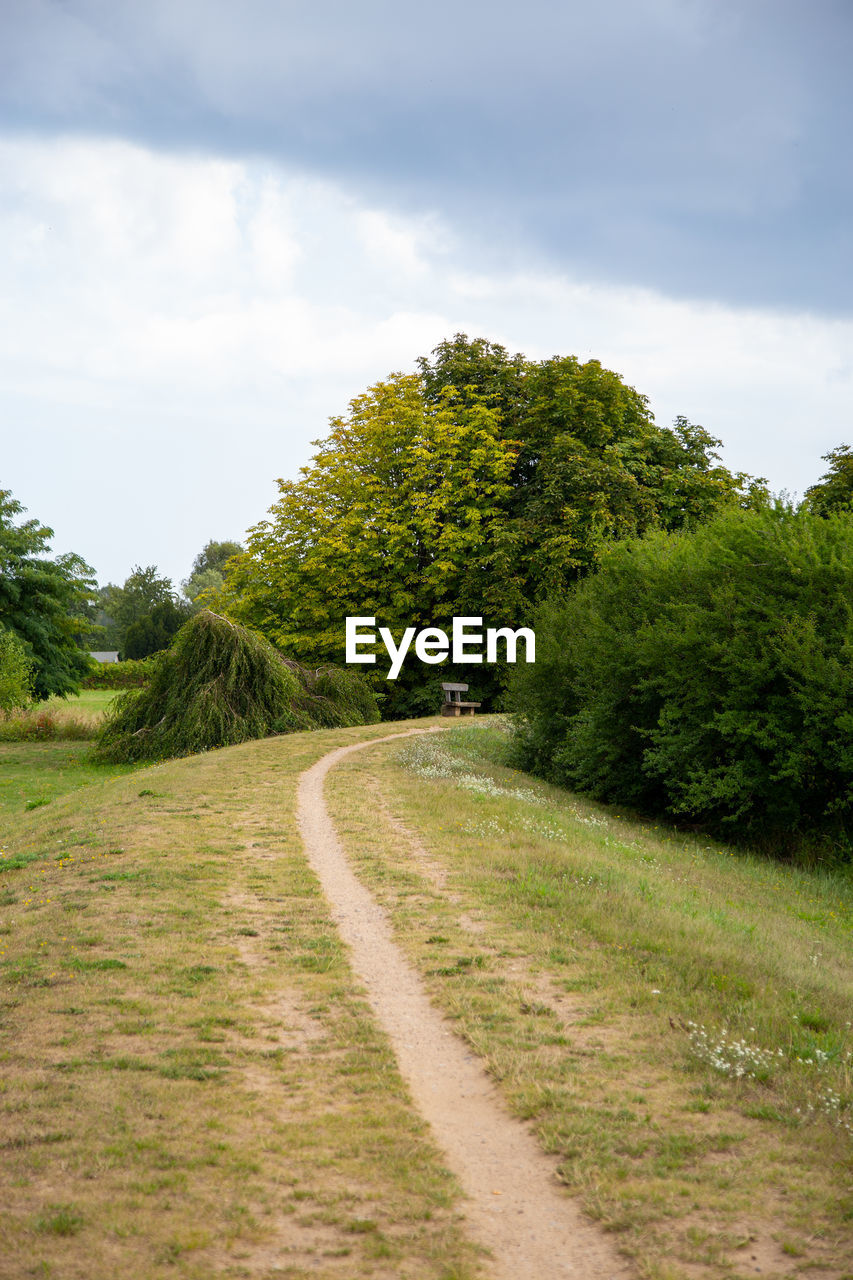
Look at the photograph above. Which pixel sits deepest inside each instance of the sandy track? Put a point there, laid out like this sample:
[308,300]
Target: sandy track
[515,1206]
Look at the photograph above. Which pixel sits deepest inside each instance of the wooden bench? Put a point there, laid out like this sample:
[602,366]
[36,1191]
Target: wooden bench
[453,704]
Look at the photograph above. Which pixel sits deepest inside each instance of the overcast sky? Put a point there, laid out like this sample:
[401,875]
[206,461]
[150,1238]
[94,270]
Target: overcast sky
[222,221]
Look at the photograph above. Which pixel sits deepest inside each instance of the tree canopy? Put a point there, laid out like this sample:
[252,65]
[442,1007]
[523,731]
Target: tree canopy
[134,602]
[834,491]
[154,631]
[477,486]
[208,568]
[592,465]
[42,600]
[401,514]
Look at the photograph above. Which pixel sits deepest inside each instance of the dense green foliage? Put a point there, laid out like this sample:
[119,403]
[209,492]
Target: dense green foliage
[592,466]
[15,672]
[401,516]
[120,608]
[707,674]
[476,487]
[42,601]
[154,631]
[834,491]
[121,675]
[220,684]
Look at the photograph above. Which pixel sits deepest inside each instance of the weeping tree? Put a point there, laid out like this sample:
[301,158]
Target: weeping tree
[220,684]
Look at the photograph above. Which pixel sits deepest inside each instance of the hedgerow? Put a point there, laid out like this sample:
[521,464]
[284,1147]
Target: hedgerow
[708,675]
[133,673]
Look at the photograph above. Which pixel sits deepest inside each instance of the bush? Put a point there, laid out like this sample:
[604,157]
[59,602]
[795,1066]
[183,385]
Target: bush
[132,674]
[333,697]
[222,684]
[708,675]
[16,672]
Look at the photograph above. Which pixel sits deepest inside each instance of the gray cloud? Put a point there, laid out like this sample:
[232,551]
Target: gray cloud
[695,146]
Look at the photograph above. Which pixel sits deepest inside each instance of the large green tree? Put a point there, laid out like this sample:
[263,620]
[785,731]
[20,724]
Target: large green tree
[208,570]
[402,515]
[42,600]
[478,486]
[834,491]
[141,592]
[592,465]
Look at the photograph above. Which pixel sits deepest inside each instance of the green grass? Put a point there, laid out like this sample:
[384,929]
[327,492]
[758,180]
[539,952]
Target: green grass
[33,774]
[672,1016]
[192,1083]
[87,704]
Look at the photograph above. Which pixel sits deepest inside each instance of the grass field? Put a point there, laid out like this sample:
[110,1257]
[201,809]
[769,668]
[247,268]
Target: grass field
[672,1017]
[193,1085]
[33,774]
[88,704]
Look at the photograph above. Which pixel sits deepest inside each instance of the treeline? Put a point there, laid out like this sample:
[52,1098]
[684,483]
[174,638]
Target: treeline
[52,613]
[143,615]
[693,638]
[693,644]
[708,675]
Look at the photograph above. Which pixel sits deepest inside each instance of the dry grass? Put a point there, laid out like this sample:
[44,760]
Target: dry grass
[64,719]
[581,954]
[192,1085]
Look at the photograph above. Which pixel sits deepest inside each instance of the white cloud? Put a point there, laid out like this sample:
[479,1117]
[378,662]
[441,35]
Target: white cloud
[175,329]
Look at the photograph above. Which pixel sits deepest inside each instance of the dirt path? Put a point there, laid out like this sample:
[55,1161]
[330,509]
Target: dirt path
[515,1206]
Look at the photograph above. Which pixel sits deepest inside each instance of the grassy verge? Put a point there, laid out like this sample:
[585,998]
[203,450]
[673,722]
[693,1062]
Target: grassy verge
[192,1085]
[672,1017]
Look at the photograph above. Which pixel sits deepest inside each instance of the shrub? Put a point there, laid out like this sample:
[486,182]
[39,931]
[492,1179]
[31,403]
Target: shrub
[132,674]
[222,684]
[333,697]
[16,671]
[709,675]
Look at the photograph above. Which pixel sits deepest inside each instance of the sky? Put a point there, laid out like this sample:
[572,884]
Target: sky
[221,222]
